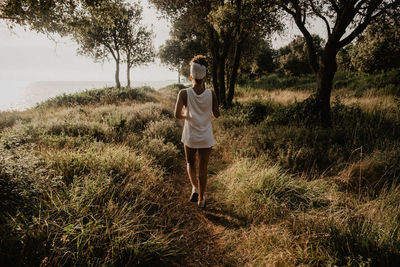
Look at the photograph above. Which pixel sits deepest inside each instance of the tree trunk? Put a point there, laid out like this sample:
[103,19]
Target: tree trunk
[118,84]
[179,76]
[221,81]
[128,71]
[214,70]
[325,76]
[213,44]
[235,68]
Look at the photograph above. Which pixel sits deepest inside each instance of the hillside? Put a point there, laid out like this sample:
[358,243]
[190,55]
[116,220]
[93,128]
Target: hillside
[98,178]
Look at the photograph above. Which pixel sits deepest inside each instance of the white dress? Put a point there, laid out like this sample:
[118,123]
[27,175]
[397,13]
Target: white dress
[197,130]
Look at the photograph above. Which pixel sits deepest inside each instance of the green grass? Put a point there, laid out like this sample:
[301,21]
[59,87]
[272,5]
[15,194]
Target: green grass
[355,84]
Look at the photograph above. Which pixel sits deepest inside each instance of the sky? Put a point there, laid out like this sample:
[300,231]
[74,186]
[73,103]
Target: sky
[30,56]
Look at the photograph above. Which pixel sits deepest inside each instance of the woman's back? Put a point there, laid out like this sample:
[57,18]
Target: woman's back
[197,130]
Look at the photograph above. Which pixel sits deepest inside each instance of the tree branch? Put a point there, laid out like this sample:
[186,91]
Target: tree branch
[288,10]
[361,27]
[328,27]
[334,5]
[300,22]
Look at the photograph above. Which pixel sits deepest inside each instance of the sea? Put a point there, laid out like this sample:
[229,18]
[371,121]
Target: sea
[21,95]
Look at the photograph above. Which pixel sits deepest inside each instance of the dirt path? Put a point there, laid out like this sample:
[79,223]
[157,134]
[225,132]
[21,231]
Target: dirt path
[203,229]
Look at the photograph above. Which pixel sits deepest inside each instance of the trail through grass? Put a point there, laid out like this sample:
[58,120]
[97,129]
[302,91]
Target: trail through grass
[99,179]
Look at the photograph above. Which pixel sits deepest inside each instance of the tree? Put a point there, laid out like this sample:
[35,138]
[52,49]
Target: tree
[264,61]
[112,28]
[96,30]
[101,27]
[339,17]
[223,27]
[137,43]
[378,48]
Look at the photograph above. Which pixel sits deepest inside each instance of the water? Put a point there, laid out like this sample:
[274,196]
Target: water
[20,95]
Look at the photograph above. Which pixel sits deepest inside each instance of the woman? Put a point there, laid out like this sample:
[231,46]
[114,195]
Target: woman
[196,105]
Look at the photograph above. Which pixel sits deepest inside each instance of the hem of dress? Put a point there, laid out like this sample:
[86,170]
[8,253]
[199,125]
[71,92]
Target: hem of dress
[194,147]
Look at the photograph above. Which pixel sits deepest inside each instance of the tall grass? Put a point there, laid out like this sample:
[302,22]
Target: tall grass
[79,186]
[263,193]
[306,195]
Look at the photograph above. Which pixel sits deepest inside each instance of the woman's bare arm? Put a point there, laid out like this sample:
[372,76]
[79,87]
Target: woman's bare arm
[180,105]
[215,106]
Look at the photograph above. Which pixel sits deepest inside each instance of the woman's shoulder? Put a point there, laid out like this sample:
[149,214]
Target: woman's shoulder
[185,90]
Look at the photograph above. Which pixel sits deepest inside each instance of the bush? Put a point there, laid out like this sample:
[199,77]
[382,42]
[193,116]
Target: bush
[100,96]
[8,119]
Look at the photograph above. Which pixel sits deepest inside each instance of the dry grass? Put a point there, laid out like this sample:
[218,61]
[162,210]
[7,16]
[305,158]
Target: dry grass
[102,184]
[284,97]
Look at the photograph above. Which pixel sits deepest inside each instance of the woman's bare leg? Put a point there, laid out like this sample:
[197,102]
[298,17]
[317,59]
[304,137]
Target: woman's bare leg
[191,165]
[204,156]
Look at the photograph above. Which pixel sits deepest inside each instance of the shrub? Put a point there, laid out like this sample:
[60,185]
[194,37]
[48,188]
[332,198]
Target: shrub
[100,96]
[8,119]
[95,130]
[279,81]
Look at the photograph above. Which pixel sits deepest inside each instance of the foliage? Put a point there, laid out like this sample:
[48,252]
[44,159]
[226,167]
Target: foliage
[252,186]
[293,57]
[52,16]
[384,83]
[178,51]
[8,119]
[295,194]
[99,96]
[259,59]
[111,28]
[137,43]
[281,81]
[378,48]
[223,29]
[344,58]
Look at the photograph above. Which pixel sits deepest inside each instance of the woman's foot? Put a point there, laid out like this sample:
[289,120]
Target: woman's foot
[195,195]
[202,203]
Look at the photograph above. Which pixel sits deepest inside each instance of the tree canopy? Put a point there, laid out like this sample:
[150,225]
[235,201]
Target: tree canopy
[378,48]
[292,58]
[223,28]
[103,29]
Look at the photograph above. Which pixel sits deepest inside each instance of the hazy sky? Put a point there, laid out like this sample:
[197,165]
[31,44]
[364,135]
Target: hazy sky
[29,56]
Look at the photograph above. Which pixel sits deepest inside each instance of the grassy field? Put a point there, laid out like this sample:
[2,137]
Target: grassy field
[98,178]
